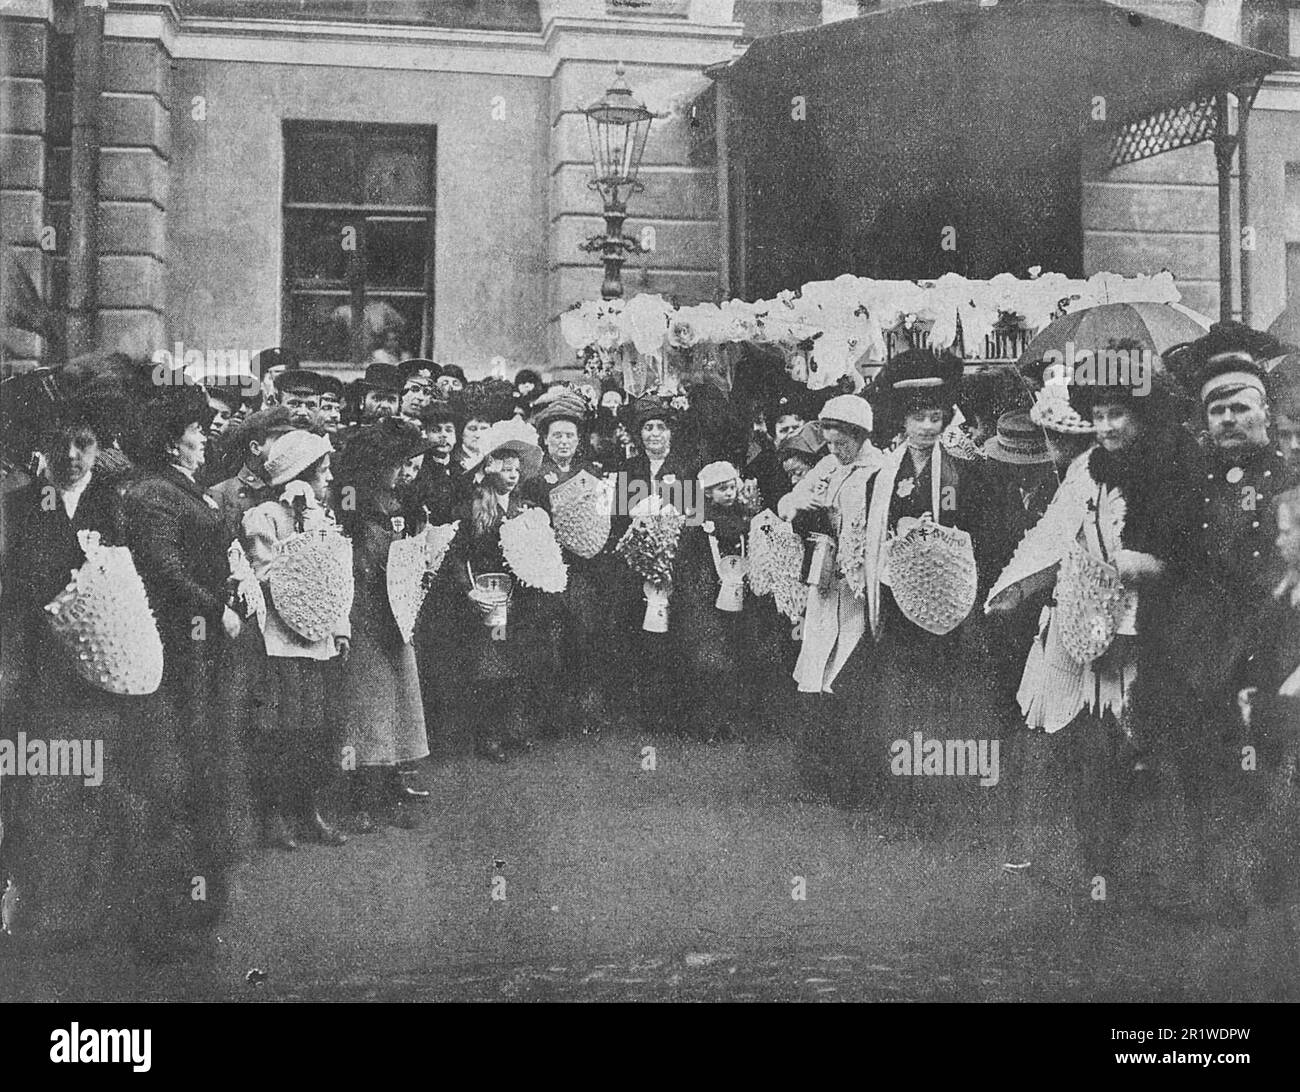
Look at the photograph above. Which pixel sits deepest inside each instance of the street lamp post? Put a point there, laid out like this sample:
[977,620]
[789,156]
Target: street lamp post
[618,124]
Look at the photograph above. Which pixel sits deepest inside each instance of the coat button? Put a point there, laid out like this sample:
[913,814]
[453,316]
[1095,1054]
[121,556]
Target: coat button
[1255,524]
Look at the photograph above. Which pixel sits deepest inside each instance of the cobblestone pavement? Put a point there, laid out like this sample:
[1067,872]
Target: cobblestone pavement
[708,878]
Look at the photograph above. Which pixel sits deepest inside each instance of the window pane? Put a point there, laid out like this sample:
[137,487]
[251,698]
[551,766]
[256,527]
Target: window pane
[395,323]
[397,170]
[320,165]
[395,251]
[318,326]
[314,247]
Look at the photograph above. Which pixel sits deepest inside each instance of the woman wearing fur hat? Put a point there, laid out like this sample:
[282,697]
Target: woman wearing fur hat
[481,404]
[569,486]
[920,533]
[179,545]
[295,751]
[513,654]
[1110,547]
[376,690]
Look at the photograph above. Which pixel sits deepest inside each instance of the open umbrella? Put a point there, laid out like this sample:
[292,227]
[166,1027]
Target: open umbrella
[1286,327]
[1156,327]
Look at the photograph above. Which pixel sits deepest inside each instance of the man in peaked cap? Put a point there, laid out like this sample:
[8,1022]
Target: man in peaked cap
[419,385]
[331,404]
[299,392]
[1233,567]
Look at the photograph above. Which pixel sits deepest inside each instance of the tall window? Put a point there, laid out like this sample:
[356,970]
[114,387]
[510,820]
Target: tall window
[358,240]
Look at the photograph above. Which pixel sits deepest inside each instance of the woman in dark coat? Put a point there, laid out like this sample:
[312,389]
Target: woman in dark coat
[912,680]
[1129,501]
[179,544]
[64,840]
[590,662]
[376,691]
[508,664]
[653,691]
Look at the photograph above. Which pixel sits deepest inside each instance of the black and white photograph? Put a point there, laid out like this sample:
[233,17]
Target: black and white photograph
[624,501]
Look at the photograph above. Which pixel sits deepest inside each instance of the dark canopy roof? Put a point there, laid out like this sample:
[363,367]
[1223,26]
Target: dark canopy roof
[944,114]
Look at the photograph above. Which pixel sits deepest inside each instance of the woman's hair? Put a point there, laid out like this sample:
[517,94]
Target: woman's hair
[484,507]
[165,419]
[546,427]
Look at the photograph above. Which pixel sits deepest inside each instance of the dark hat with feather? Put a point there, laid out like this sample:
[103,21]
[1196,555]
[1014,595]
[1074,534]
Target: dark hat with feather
[915,380]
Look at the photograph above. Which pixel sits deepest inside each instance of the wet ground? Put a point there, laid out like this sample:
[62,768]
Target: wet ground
[575,874]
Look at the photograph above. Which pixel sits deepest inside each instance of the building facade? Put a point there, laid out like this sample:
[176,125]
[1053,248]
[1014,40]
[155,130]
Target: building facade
[264,164]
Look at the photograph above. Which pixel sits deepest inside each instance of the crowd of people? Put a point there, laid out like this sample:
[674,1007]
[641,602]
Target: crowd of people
[1100,579]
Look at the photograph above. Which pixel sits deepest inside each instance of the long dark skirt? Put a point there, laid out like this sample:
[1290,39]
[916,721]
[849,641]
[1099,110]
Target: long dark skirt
[74,850]
[912,684]
[181,779]
[295,748]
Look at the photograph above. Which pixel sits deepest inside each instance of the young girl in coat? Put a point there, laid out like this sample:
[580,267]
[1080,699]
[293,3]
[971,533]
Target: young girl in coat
[294,749]
[712,641]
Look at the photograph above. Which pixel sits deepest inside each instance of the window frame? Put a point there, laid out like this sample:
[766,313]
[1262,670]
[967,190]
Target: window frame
[356,286]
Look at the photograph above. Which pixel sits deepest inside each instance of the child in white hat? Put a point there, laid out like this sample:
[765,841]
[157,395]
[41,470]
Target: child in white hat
[710,619]
[293,753]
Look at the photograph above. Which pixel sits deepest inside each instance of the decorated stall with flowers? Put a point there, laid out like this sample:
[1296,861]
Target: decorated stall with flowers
[828,330]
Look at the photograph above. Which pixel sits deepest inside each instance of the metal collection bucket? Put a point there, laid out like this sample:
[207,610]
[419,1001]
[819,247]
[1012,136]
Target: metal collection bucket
[656,607]
[819,561]
[496,589]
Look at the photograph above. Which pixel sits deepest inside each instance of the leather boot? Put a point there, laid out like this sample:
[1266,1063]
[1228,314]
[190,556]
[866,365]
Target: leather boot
[321,830]
[360,821]
[404,784]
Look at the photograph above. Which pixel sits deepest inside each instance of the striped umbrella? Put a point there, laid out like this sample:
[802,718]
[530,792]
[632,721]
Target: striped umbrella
[1156,327]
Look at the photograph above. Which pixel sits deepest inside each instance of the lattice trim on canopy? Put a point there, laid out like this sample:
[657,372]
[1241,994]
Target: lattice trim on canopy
[1167,129]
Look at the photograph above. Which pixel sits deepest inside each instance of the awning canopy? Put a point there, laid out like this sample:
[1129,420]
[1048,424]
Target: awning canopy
[862,141]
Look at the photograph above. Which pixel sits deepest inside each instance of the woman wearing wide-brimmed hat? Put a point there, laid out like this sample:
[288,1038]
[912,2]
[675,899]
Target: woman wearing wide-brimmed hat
[295,751]
[1109,548]
[919,555]
[376,690]
[66,842]
[511,642]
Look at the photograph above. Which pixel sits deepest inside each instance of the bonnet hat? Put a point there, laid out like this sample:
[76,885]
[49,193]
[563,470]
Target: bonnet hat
[293,452]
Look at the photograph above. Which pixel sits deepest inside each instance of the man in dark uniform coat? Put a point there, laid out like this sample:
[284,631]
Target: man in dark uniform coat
[1216,621]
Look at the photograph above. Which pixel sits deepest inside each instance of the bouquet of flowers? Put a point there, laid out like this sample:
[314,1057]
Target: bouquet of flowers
[531,551]
[649,545]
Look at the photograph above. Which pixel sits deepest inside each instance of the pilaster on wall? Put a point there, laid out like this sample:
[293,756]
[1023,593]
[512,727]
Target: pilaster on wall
[679,201]
[134,167]
[28,114]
